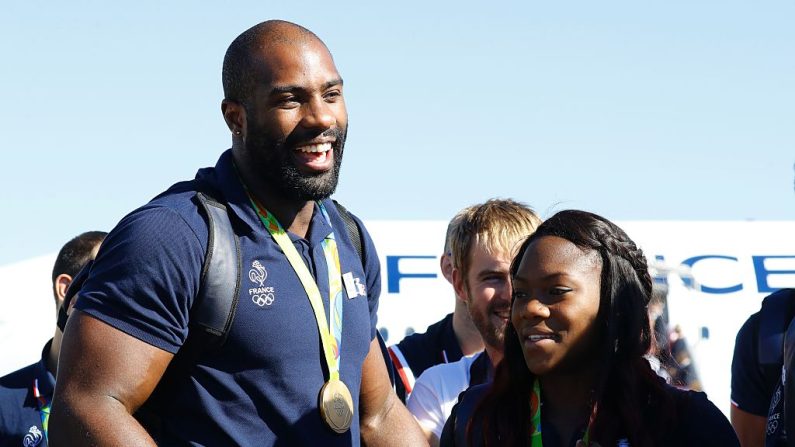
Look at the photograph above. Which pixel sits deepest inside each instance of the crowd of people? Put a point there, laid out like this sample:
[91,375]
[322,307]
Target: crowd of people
[240,308]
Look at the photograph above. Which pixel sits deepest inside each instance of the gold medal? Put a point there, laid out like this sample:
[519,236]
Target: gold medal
[336,405]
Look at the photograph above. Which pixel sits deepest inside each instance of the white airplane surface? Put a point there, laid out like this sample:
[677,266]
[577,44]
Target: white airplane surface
[734,264]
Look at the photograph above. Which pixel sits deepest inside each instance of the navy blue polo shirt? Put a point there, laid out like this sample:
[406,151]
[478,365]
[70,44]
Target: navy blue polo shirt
[438,344]
[262,387]
[752,383]
[20,410]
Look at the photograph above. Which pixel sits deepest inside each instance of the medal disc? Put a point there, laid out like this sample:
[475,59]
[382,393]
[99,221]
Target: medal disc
[336,405]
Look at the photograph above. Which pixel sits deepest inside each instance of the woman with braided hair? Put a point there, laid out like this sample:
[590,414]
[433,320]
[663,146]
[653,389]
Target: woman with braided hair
[574,372]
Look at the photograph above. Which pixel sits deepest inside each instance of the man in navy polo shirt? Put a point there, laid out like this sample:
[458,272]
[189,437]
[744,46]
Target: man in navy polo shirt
[26,394]
[301,365]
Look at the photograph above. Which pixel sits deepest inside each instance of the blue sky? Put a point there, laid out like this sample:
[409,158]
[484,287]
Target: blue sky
[635,110]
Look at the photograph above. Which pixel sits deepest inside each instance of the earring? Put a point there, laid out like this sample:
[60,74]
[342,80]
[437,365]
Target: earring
[237,132]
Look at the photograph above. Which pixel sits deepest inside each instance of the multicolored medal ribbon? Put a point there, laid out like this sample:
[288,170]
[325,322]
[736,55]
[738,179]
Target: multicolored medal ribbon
[535,419]
[535,412]
[44,408]
[335,401]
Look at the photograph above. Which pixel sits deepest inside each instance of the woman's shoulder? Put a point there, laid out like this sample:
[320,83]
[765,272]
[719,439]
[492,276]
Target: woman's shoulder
[454,432]
[698,421]
[468,401]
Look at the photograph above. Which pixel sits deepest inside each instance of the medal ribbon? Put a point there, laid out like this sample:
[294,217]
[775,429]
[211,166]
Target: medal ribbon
[331,339]
[535,419]
[44,408]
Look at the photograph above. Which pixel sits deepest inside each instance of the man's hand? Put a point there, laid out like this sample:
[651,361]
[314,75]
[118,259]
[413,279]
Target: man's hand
[385,421]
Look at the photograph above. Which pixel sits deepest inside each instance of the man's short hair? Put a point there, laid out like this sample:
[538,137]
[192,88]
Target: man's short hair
[76,253]
[454,226]
[498,225]
[240,70]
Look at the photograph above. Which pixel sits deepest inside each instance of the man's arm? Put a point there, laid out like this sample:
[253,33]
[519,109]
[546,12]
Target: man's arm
[424,404]
[384,421]
[104,375]
[750,428]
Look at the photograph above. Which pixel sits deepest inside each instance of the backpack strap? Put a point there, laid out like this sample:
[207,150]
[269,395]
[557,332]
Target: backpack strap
[353,230]
[212,312]
[774,317]
[787,384]
[214,308]
[356,236]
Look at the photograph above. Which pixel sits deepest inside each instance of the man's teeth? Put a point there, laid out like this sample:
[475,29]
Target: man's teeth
[541,337]
[322,147]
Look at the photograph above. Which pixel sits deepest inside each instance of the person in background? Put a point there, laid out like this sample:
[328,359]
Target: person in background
[26,394]
[574,370]
[483,244]
[757,371]
[445,341]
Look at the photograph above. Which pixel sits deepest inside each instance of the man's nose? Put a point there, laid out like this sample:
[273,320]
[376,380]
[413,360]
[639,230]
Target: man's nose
[504,293]
[318,115]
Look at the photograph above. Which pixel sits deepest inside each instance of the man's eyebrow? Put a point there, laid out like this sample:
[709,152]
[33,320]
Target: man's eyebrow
[489,272]
[280,89]
[332,83]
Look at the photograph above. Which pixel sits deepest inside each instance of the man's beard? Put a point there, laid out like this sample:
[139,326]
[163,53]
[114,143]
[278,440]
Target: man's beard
[493,335]
[273,162]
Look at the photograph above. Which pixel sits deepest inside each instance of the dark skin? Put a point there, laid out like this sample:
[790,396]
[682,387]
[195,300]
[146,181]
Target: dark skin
[750,428]
[299,98]
[107,374]
[556,298]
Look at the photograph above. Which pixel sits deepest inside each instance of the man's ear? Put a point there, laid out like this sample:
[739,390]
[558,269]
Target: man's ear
[62,282]
[235,117]
[446,265]
[459,285]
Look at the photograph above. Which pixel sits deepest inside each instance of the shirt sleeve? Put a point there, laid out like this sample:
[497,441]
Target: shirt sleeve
[702,424]
[145,277]
[748,388]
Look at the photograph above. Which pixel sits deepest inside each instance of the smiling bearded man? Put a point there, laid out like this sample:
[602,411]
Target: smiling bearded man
[287,373]
[482,247]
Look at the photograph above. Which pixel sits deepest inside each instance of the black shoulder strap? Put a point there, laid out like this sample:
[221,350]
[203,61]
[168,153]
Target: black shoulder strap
[212,312]
[774,318]
[214,308]
[787,378]
[353,230]
[357,239]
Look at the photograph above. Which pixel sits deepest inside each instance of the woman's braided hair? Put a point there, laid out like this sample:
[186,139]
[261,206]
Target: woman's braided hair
[626,386]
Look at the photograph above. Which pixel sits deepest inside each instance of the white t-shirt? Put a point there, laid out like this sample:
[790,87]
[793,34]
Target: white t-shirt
[436,392]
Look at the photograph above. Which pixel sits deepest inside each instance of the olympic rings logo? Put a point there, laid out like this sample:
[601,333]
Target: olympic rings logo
[265,299]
